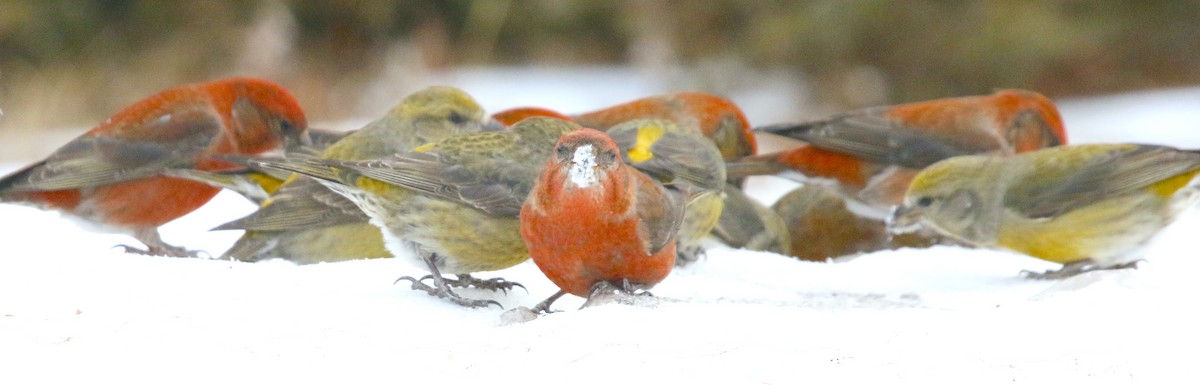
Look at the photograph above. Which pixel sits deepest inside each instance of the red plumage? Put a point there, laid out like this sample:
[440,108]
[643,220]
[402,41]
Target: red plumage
[111,175]
[615,225]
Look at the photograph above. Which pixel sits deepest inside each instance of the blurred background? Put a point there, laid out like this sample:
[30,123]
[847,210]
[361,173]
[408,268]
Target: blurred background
[66,65]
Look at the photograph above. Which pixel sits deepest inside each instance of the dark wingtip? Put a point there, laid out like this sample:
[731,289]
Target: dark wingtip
[8,182]
[247,249]
[236,224]
[786,129]
[737,170]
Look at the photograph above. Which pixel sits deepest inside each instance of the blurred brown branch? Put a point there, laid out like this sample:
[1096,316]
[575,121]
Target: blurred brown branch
[65,62]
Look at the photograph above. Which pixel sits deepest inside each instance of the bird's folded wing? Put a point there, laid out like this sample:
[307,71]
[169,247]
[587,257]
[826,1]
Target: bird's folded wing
[1120,171]
[300,204]
[175,139]
[877,139]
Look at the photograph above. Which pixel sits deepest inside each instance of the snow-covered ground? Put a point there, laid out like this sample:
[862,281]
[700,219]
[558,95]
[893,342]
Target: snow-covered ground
[74,309]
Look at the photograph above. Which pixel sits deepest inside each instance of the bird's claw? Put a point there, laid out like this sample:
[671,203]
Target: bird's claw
[445,293]
[605,292]
[493,284]
[1073,269]
[689,254]
[166,251]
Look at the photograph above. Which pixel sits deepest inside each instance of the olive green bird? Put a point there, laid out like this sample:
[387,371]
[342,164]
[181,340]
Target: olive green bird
[753,227]
[685,162]
[1088,207]
[304,222]
[452,206]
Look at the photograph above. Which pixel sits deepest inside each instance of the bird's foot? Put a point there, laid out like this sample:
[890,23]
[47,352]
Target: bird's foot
[1075,268]
[493,284]
[605,292]
[522,314]
[442,290]
[165,250]
[544,306]
[688,255]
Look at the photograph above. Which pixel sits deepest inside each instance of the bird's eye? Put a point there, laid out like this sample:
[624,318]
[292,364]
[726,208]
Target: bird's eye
[607,157]
[924,201]
[286,126]
[563,153]
[457,118]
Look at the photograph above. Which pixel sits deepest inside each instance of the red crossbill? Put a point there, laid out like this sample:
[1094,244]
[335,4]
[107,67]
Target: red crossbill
[112,176]
[715,117]
[450,206]
[511,116]
[685,162]
[823,226]
[307,223]
[1086,206]
[874,153]
[694,160]
[592,219]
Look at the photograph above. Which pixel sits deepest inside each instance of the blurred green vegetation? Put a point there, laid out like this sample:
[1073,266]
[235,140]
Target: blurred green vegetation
[77,59]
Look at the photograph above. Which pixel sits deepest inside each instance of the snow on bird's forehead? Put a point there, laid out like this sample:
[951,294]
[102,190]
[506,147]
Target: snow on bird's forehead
[583,167]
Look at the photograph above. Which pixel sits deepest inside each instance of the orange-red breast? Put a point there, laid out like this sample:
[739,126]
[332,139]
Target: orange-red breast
[874,153]
[112,176]
[717,118]
[591,219]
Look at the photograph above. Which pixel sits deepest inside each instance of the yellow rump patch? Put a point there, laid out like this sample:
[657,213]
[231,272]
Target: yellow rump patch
[424,147]
[646,137]
[268,183]
[1169,186]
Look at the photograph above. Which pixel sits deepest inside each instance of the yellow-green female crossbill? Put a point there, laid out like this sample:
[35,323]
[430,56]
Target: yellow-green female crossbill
[684,161]
[450,206]
[304,222]
[1086,206]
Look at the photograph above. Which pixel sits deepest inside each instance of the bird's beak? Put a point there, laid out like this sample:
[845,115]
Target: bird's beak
[492,126]
[904,220]
[300,143]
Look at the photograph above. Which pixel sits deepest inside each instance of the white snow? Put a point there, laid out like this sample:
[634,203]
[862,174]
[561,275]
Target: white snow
[583,166]
[72,309]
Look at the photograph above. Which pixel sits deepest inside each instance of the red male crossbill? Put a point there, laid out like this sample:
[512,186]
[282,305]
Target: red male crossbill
[875,152]
[717,118]
[823,225]
[511,116]
[450,206]
[592,219]
[113,177]
[714,117]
